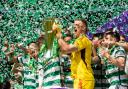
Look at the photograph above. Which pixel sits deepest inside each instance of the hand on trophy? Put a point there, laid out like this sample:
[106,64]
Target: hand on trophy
[59,35]
[51,27]
[56,28]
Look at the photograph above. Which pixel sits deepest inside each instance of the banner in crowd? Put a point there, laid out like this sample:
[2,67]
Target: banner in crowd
[120,22]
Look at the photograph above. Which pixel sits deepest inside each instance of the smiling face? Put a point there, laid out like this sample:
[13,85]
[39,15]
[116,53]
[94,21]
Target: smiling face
[79,28]
[109,40]
[33,49]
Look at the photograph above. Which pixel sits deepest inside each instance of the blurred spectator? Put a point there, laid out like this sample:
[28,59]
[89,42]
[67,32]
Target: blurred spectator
[98,68]
[114,59]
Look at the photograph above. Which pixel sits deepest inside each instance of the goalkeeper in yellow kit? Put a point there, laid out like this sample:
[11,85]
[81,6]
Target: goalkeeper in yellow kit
[81,52]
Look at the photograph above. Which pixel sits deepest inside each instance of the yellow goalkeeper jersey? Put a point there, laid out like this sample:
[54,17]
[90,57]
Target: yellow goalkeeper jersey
[79,69]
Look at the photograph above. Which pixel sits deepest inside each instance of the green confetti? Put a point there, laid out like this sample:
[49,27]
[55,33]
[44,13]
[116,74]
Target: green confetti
[22,17]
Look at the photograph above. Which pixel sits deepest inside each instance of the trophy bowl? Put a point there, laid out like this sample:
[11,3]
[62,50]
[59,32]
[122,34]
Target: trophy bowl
[47,24]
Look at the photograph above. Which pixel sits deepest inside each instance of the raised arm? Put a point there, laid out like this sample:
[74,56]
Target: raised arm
[67,48]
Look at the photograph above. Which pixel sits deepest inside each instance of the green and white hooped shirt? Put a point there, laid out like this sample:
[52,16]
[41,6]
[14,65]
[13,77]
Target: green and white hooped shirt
[115,75]
[29,76]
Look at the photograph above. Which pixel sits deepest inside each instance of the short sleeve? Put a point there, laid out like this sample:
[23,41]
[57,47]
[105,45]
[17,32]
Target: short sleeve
[120,53]
[80,43]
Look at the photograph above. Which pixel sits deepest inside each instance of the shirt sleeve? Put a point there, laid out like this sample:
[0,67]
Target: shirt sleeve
[120,53]
[80,44]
